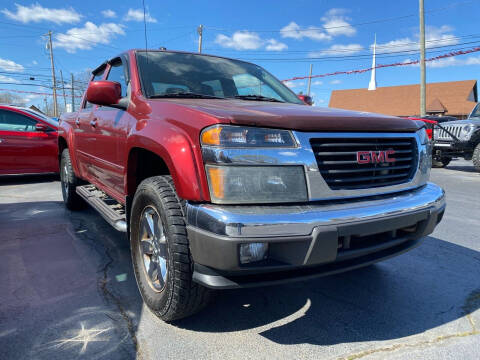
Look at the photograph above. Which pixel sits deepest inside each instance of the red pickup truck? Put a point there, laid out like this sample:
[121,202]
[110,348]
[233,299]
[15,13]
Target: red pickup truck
[223,178]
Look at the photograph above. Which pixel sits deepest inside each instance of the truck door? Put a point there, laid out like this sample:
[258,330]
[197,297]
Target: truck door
[111,128]
[85,137]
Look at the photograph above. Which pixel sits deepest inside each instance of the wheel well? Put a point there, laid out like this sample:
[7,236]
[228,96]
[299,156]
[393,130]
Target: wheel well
[143,164]
[62,144]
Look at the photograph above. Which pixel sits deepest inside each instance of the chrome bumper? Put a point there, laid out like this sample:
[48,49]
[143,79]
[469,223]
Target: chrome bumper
[300,220]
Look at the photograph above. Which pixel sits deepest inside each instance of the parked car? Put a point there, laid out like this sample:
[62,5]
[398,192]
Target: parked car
[223,178]
[429,125]
[459,138]
[28,142]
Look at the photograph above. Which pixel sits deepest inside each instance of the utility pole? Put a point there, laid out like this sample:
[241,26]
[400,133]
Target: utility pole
[310,80]
[63,88]
[423,109]
[73,94]
[55,110]
[200,37]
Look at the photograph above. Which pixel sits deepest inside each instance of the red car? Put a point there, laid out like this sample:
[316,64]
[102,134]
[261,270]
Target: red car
[28,142]
[429,124]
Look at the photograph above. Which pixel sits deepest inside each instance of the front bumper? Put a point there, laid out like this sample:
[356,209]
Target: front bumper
[307,240]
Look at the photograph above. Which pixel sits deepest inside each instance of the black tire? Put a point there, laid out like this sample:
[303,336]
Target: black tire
[476,157]
[69,183]
[441,163]
[174,295]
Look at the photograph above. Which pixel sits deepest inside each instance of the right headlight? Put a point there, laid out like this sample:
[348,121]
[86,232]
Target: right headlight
[256,184]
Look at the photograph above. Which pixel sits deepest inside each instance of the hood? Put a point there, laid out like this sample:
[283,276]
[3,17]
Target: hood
[293,116]
[471,121]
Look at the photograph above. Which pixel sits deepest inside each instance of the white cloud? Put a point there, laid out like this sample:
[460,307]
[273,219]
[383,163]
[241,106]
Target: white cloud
[11,66]
[109,14]
[37,13]
[137,15]
[240,40]
[338,50]
[9,79]
[336,24]
[434,37]
[88,36]
[317,83]
[335,82]
[294,84]
[274,45]
[34,62]
[454,61]
[294,31]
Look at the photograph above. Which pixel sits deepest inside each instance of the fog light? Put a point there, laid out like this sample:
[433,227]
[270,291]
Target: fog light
[253,252]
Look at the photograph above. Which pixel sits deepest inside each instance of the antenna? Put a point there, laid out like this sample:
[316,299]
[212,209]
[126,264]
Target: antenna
[145,27]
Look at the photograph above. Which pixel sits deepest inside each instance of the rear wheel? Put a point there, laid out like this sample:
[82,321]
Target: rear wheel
[69,183]
[444,161]
[476,157]
[160,252]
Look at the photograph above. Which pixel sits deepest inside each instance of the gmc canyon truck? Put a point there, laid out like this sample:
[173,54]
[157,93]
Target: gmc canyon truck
[223,178]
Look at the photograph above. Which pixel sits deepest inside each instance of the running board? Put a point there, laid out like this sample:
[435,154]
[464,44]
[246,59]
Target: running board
[110,209]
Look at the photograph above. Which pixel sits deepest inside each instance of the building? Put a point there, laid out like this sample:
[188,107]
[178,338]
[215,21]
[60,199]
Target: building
[453,98]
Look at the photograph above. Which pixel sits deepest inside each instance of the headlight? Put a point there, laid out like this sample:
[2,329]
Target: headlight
[423,136]
[467,129]
[239,136]
[256,184]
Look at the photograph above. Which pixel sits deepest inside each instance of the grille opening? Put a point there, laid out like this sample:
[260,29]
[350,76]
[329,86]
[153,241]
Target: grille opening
[337,161]
[346,243]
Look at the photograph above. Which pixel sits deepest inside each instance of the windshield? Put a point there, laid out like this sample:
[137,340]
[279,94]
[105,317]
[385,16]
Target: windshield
[476,111]
[164,74]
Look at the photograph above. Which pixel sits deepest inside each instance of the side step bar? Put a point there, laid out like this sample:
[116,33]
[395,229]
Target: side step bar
[110,209]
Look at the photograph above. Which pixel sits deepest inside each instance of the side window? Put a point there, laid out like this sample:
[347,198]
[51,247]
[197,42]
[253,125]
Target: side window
[98,76]
[12,121]
[117,73]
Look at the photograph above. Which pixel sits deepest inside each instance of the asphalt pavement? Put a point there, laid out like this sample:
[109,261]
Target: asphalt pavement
[67,291]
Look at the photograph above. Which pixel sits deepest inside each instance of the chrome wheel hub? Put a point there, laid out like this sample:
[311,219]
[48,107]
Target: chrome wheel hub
[153,248]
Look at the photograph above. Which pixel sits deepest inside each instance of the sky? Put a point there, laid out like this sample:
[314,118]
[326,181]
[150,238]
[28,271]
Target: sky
[284,37]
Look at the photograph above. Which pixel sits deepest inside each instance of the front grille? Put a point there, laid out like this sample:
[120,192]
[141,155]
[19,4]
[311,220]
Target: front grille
[337,161]
[441,134]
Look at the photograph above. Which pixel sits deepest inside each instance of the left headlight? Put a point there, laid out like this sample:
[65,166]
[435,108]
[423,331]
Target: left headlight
[423,136]
[244,136]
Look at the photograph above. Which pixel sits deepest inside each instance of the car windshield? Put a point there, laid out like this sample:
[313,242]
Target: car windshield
[41,116]
[475,112]
[168,74]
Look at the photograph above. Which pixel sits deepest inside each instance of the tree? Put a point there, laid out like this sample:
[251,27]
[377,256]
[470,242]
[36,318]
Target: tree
[12,99]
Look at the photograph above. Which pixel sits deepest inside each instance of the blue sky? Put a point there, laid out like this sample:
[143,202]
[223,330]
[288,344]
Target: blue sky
[282,36]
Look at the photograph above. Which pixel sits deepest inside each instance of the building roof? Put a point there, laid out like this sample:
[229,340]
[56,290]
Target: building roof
[449,98]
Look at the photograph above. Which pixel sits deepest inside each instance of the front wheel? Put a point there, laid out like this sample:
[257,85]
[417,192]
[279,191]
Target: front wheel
[476,157]
[160,252]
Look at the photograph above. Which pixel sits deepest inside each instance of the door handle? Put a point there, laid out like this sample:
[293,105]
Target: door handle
[77,122]
[93,122]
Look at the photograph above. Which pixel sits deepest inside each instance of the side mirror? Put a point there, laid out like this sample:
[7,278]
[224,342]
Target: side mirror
[306,99]
[104,92]
[41,127]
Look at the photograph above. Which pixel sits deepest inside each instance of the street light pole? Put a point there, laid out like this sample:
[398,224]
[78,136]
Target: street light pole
[55,110]
[423,109]
[200,37]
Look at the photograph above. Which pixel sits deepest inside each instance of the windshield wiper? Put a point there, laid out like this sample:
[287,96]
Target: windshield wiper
[256,98]
[186,95]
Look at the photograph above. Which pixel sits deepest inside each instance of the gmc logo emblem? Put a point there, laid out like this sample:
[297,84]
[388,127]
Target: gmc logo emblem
[375,157]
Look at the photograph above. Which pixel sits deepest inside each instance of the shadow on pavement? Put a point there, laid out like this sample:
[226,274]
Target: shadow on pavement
[403,296]
[27,179]
[469,169]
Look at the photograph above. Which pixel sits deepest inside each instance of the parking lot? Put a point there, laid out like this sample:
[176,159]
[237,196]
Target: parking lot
[67,291]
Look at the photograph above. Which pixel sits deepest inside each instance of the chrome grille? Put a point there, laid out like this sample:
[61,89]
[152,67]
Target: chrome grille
[441,134]
[337,161]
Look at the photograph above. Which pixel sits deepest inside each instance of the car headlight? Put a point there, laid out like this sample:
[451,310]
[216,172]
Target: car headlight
[423,136]
[242,136]
[256,184]
[467,129]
